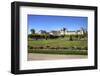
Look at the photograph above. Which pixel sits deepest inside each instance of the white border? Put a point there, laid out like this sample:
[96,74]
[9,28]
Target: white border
[26,65]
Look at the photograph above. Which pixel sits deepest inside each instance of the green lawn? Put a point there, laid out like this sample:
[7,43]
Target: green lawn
[61,42]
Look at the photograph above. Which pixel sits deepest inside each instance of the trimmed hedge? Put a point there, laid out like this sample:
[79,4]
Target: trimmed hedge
[61,51]
[49,47]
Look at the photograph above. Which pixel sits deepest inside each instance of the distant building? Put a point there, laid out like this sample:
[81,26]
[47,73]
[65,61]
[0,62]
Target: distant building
[66,32]
[63,32]
[54,33]
[42,32]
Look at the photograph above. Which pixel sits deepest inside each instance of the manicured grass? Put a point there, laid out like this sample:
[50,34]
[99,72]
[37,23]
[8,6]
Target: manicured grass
[60,42]
[64,44]
[61,51]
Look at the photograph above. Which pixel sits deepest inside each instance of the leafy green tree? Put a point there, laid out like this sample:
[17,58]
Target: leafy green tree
[32,31]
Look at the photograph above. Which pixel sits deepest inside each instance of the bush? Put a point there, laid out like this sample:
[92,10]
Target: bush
[30,47]
[85,48]
[47,47]
[41,47]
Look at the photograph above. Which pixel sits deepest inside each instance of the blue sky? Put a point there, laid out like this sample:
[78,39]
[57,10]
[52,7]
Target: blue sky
[49,23]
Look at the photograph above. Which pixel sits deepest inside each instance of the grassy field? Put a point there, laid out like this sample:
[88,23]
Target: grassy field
[60,42]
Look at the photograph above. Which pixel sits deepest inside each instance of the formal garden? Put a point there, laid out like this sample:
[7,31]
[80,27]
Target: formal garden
[54,44]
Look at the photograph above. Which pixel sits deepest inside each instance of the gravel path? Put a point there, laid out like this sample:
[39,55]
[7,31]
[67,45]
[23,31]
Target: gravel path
[35,56]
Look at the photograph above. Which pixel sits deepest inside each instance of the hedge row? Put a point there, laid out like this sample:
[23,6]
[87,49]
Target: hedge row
[47,36]
[68,52]
[48,47]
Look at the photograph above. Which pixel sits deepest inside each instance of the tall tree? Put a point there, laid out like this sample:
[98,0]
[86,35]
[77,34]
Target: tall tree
[32,31]
[64,29]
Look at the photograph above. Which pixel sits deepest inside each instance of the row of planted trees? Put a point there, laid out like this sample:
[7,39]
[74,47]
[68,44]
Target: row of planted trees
[42,36]
[47,36]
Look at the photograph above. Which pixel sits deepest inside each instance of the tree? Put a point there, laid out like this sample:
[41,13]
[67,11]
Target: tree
[64,29]
[70,38]
[32,31]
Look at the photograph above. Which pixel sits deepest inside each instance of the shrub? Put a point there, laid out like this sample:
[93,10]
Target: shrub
[41,47]
[30,47]
[85,48]
[47,46]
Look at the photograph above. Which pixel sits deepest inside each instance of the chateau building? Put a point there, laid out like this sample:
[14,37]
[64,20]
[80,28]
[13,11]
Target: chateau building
[63,32]
[66,32]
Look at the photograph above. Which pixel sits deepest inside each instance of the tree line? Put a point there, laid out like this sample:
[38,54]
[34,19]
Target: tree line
[35,36]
